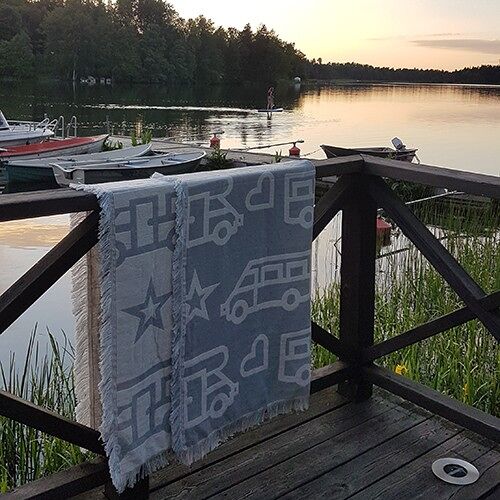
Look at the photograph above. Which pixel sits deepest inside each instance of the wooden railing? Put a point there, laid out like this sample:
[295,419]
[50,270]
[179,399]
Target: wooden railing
[359,191]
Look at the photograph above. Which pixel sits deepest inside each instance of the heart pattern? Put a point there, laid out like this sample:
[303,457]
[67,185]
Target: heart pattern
[261,197]
[257,360]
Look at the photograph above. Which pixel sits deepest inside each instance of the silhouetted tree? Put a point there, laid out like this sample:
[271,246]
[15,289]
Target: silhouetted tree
[147,41]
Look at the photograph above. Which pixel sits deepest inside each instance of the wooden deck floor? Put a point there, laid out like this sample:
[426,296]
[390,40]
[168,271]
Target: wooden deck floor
[381,448]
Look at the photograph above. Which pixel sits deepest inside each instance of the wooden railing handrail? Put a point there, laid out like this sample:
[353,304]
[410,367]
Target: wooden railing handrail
[52,423]
[34,204]
[430,175]
[61,201]
[357,194]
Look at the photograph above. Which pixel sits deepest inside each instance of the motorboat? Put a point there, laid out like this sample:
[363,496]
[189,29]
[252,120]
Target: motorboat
[399,152]
[17,133]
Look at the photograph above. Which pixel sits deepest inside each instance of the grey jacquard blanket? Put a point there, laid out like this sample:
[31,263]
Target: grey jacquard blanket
[204,328]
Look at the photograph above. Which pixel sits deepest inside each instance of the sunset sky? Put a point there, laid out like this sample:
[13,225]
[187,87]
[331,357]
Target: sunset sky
[446,34]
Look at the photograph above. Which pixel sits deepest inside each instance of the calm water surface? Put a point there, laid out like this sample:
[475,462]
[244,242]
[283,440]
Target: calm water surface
[453,126]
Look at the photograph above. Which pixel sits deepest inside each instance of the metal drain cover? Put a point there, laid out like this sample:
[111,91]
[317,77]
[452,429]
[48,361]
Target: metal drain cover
[455,471]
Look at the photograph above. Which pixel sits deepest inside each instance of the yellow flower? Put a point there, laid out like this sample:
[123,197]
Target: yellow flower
[400,369]
[466,389]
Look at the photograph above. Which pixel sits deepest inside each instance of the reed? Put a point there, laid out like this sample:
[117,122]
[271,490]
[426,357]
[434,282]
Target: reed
[462,362]
[46,380]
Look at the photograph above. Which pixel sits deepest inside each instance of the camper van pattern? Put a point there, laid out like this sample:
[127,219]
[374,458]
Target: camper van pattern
[231,343]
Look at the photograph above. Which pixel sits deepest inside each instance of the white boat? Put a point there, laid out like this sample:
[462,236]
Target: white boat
[16,158]
[72,160]
[136,168]
[18,133]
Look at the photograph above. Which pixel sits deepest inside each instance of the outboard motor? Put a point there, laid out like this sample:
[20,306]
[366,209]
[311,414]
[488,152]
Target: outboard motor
[398,144]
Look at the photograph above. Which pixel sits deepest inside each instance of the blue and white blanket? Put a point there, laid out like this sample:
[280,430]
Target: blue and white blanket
[205,309]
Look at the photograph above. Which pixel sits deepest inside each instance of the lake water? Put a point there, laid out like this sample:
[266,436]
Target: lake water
[453,126]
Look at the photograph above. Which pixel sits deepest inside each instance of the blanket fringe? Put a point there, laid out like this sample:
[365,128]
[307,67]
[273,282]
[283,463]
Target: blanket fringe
[107,385]
[179,319]
[245,423]
[80,311]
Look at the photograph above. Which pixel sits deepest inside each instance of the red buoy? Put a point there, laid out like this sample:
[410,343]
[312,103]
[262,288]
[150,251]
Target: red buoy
[294,150]
[215,141]
[383,231]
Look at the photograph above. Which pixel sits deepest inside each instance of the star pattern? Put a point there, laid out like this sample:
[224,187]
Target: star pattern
[197,298]
[149,312]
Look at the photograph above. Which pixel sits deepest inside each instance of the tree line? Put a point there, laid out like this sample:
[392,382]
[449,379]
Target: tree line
[486,74]
[147,41]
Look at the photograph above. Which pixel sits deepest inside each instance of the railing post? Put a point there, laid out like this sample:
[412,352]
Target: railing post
[357,273]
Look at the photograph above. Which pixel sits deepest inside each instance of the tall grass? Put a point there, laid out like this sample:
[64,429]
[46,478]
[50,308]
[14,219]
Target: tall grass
[463,362]
[46,380]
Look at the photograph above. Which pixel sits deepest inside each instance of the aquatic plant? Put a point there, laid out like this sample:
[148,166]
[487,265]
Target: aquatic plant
[217,160]
[46,380]
[462,362]
[145,138]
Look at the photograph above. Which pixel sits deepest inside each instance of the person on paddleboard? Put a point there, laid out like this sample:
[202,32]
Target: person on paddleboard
[270,98]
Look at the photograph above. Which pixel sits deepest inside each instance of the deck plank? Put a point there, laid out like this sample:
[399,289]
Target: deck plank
[276,481]
[416,479]
[233,470]
[488,466]
[380,448]
[365,469]
[320,403]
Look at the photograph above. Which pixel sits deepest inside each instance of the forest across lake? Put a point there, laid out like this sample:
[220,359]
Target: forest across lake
[149,42]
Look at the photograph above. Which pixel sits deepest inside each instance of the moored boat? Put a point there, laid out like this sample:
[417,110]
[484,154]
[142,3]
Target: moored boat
[54,147]
[136,168]
[17,133]
[51,148]
[39,170]
[399,152]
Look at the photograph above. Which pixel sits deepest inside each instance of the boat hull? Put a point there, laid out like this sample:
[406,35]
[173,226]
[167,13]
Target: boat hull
[18,174]
[28,175]
[71,160]
[126,174]
[388,153]
[140,168]
[55,147]
[22,138]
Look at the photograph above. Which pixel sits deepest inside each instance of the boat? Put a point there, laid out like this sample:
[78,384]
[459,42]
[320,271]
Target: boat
[16,133]
[54,147]
[136,168]
[39,170]
[399,152]
[272,110]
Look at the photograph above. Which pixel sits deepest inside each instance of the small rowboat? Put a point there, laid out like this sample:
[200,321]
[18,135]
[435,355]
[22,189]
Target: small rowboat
[136,168]
[55,147]
[400,152]
[39,170]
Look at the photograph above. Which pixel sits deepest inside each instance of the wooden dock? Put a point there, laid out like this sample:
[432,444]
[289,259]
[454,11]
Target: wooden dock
[383,447]
[354,441]
[167,145]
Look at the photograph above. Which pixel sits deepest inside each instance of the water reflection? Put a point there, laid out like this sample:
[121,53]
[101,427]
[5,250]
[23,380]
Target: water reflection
[22,244]
[455,126]
[452,125]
